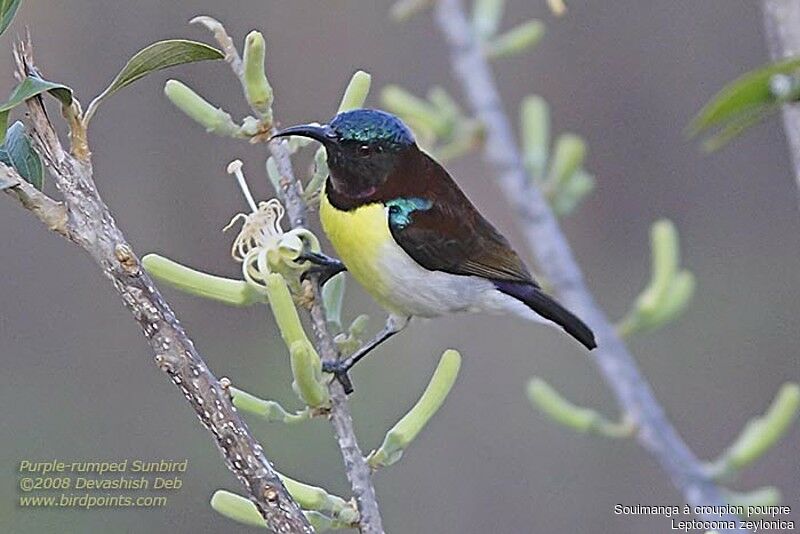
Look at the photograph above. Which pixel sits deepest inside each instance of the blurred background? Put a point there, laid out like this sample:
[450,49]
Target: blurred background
[77,379]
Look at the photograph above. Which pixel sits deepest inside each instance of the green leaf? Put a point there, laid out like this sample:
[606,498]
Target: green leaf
[739,124]
[157,56]
[22,155]
[8,8]
[27,89]
[749,91]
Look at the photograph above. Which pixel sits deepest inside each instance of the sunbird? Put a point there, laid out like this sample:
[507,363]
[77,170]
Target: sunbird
[407,233]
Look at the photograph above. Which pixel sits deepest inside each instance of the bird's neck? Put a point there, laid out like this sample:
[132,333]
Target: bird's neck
[344,196]
[346,191]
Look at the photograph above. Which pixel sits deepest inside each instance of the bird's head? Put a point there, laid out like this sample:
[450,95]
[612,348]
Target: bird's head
[364,146]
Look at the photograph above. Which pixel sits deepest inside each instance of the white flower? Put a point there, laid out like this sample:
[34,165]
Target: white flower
[262,246]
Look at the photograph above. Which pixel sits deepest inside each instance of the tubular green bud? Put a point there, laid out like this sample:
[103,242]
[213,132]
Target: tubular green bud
[569,196]
[400,436]
[213,119]
[570,151]
[238,508]
[665,260]
[307,372]
[486,15]
[675,301]
[280,300]
[459,146]
[359,325]
[332,298]
[403,10]
[669,291]
[356,93]
[535,134]
[446,104]
[762,433]
[550,402]
[515,41]
[256,86]
[269,410]
[317,499]
[320,522]
[413,109]
[198,283]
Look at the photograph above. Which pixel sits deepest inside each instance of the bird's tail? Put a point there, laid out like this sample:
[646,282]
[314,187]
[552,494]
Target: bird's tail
[537,300]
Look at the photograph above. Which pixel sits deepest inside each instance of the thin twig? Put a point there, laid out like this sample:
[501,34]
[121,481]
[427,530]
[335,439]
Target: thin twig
[86,220]
[358,471]
[557,264]
[782,28]
[290,193]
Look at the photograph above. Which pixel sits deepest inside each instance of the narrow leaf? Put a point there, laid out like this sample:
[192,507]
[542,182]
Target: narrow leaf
[157,56]
[738,124]
[8,8]
[750,90]
[27,89]
[22,155]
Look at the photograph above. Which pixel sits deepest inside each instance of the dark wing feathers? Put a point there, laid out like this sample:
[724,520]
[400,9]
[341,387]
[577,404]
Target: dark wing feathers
[452,236]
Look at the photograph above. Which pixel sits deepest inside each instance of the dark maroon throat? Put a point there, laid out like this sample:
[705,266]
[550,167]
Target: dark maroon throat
[346,198]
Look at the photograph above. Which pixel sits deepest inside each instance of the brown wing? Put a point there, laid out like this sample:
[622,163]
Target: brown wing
[452,236]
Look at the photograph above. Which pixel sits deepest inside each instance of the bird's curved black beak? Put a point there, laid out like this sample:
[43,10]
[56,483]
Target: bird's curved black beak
[322,133]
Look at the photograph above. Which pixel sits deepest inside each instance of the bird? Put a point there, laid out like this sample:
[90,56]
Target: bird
[408,234]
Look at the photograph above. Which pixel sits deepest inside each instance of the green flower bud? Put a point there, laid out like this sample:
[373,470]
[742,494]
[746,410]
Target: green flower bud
[520,39]
[213,119]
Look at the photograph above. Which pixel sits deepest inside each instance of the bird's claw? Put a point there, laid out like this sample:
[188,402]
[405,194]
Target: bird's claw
[324,267]
[339,369]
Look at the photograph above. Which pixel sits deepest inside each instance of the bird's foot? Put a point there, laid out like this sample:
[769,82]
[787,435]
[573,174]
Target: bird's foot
[339,369]
[324,267]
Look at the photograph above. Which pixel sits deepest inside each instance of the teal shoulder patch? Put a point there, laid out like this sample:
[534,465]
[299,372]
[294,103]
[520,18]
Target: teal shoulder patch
[400,210]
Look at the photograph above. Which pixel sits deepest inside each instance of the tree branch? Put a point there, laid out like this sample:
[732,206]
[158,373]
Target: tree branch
[556,262]
[86,220]
[782,27]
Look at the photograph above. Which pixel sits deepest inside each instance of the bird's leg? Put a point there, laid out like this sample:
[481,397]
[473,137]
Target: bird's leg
[324,266]
[394,324]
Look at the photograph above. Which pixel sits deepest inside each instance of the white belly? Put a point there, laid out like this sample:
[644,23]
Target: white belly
[420,292]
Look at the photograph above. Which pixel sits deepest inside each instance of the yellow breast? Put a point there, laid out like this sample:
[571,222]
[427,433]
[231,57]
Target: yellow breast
[359,237]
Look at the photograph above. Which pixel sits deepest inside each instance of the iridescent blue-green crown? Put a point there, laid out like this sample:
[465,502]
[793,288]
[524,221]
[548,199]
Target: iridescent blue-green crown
[366,125]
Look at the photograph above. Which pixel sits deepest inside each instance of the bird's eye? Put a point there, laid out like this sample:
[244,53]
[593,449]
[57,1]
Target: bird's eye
[364,150]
